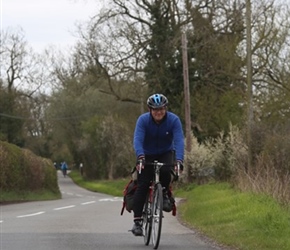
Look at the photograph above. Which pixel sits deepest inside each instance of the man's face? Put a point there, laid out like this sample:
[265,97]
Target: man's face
[158,114]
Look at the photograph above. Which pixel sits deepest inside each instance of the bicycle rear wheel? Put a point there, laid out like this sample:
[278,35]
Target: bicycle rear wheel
[147,221]
[157,214]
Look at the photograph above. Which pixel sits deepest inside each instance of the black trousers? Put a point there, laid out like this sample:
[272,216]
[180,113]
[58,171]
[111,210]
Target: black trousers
[146,177]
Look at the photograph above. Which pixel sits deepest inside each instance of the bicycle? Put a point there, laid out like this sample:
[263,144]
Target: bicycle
[64,172]
[153,207]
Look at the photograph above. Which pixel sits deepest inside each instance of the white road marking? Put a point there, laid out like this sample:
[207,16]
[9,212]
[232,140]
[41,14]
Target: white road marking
[29,215]
[78,195]
[111,199]
[1,221]
[71,206]
[60,208]
[89,202]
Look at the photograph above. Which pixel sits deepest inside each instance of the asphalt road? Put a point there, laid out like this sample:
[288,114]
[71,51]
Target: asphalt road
[83,220]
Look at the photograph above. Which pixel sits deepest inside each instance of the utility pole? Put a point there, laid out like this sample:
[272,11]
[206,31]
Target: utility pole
[186,98]
[249,82]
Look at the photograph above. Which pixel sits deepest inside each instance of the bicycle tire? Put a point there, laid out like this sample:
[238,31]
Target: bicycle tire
[64,172]
[147,221]
[157,215]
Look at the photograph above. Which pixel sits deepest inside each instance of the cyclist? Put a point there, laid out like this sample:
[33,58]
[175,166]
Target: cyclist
[64,168]
[158,136]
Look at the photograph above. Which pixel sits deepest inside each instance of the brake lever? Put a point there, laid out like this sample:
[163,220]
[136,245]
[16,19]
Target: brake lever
[178,169]
[140,167]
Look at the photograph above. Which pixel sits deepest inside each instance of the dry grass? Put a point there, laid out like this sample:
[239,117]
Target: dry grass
[264,178]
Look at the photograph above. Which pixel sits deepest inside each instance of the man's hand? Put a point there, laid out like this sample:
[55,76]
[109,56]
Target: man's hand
[140,163]
[180,164]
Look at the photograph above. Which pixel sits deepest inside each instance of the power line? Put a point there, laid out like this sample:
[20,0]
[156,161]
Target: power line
[35,119]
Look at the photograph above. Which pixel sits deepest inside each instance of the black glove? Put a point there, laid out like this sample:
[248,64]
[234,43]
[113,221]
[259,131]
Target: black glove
[180,165]
[140,162]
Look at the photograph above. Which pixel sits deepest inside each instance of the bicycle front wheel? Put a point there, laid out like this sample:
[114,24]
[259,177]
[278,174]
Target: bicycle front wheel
[147,221]
[157,214]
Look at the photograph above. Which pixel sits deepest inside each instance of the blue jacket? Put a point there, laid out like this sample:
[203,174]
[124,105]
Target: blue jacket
[152,138]
[64,166]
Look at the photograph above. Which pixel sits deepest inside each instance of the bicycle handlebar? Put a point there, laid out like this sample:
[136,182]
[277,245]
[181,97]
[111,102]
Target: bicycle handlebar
[160,164]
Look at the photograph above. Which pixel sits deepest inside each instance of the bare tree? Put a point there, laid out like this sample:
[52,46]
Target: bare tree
[23,77]
[270,52]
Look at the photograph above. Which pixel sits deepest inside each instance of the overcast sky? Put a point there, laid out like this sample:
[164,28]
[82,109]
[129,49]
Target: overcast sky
[47,22]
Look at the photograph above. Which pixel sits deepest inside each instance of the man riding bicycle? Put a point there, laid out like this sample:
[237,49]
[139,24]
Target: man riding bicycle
[158,136]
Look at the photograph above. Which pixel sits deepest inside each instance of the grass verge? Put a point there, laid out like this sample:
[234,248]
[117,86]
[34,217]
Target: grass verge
[114,188]
[241,220]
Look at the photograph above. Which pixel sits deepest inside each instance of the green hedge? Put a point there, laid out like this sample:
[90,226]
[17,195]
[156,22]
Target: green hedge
[21,171]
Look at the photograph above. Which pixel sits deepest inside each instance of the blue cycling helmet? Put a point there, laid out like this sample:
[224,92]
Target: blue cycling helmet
[157,101]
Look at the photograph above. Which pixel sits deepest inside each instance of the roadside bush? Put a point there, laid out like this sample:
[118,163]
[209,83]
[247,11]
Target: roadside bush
[217,158]
[50,177]
[33,170]
[199,161]
[12,171]
[226,158]
[23,171]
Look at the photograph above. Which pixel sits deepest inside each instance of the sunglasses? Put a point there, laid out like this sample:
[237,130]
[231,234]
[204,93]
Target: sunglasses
[159,109]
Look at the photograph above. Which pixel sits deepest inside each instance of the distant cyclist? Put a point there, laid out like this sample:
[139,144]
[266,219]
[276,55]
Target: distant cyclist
[64,168]
[158,136]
